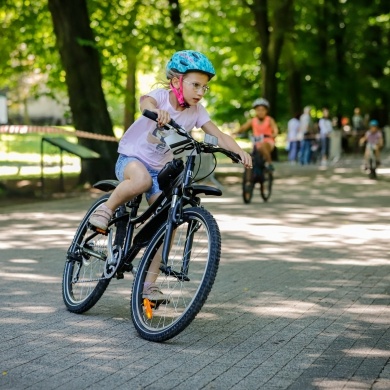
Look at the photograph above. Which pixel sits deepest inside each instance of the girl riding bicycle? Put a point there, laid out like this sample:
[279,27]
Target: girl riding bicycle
[143,150]
[374,141]
[264,130]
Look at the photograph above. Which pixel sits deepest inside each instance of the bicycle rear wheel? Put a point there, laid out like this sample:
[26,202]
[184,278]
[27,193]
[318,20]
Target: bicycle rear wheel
[87,274]
[266,184]
[372,173]
[248,185]
[193,264]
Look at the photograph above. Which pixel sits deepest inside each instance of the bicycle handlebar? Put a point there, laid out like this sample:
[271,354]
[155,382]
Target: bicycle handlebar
[206,148]
[153,116]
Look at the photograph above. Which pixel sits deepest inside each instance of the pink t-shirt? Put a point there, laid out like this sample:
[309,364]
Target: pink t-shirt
[145,140]
[373,138]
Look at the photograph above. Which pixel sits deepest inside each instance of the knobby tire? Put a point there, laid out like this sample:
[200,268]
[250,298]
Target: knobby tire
[82,296]
[197,239]
[248,185]
[266,185]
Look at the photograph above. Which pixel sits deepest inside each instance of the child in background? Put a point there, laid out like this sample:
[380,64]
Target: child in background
[264,126]
[374,140]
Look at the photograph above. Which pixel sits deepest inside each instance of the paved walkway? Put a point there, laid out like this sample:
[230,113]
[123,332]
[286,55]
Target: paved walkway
[301,300]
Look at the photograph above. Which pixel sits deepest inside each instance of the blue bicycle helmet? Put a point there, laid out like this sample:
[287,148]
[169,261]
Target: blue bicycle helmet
[260,102]
[190,61]
[374,122]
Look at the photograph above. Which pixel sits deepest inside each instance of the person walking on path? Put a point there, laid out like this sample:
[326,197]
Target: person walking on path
[292,138]
[305,136]
[357,128]
[357,121]
[325,126]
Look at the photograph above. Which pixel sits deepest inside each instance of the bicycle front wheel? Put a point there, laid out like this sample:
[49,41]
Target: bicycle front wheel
[247,185]
[86,274]
[372,163]
[266,185]
[186,282]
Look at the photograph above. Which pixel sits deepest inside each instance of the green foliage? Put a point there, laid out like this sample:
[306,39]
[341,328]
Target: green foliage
[339,49]
[28,57]
[342,50]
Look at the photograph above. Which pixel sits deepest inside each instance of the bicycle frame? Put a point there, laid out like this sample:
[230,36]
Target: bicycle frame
[180,241]
[166,208]
[258,174]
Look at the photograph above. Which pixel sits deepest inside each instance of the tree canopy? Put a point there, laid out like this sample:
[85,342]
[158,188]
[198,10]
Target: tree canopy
[332,53]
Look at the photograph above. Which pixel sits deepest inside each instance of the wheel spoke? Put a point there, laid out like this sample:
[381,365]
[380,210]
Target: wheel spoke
[197,242]
[84,281]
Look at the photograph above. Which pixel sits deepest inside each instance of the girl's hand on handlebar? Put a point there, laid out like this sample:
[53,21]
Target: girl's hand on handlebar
[163,117]
[246,159]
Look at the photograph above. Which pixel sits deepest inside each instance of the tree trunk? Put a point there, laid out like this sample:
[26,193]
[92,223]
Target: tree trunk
[131,54]
[294,81]
[131,83]
[131,50]
[80,60]
[271,36]
[174,10]
[336,19]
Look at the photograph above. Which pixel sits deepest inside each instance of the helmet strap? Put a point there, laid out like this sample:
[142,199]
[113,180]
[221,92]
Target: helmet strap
[179,93]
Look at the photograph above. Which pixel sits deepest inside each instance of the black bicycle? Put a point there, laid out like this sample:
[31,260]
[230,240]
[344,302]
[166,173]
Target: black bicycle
[176,228]
[259,173]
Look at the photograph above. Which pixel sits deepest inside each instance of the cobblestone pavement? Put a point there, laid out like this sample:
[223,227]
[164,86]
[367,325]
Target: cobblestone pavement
[301,300]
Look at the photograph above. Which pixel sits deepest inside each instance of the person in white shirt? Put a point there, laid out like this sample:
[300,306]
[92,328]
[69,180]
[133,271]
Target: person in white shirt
[305,136]
[325,125]
[292,138]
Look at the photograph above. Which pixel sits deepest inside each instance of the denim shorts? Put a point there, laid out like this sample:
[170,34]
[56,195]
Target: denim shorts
[120,168]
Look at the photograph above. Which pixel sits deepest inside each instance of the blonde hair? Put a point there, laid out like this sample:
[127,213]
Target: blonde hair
[166,84]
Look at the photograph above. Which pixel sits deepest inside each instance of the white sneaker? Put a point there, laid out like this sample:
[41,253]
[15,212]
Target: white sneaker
[154,294]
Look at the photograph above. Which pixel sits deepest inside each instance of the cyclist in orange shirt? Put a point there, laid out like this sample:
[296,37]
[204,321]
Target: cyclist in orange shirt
[264,130]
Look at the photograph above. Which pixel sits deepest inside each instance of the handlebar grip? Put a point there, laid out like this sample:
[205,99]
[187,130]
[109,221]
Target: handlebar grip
[235,157]
[150,114]
[153,116]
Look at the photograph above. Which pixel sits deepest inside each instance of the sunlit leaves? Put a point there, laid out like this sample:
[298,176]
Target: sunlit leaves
[141,30]
[28,57]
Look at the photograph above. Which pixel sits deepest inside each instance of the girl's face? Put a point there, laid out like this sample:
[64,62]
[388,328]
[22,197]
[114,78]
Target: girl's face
[194,86]
[261,112]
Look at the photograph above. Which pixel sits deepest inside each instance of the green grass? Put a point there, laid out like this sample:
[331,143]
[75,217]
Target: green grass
[20,156]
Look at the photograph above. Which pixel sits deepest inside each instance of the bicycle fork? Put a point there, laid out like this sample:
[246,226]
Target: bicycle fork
[174,218]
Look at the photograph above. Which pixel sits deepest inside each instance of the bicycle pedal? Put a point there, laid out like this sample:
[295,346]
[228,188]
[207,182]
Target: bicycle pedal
[120,275]
[158,303]
[98,230]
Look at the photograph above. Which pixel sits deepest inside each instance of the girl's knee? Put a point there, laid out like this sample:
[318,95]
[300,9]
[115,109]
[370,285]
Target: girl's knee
[145,182]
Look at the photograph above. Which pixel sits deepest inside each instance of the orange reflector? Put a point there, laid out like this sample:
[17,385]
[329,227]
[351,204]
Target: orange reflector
[148,308]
